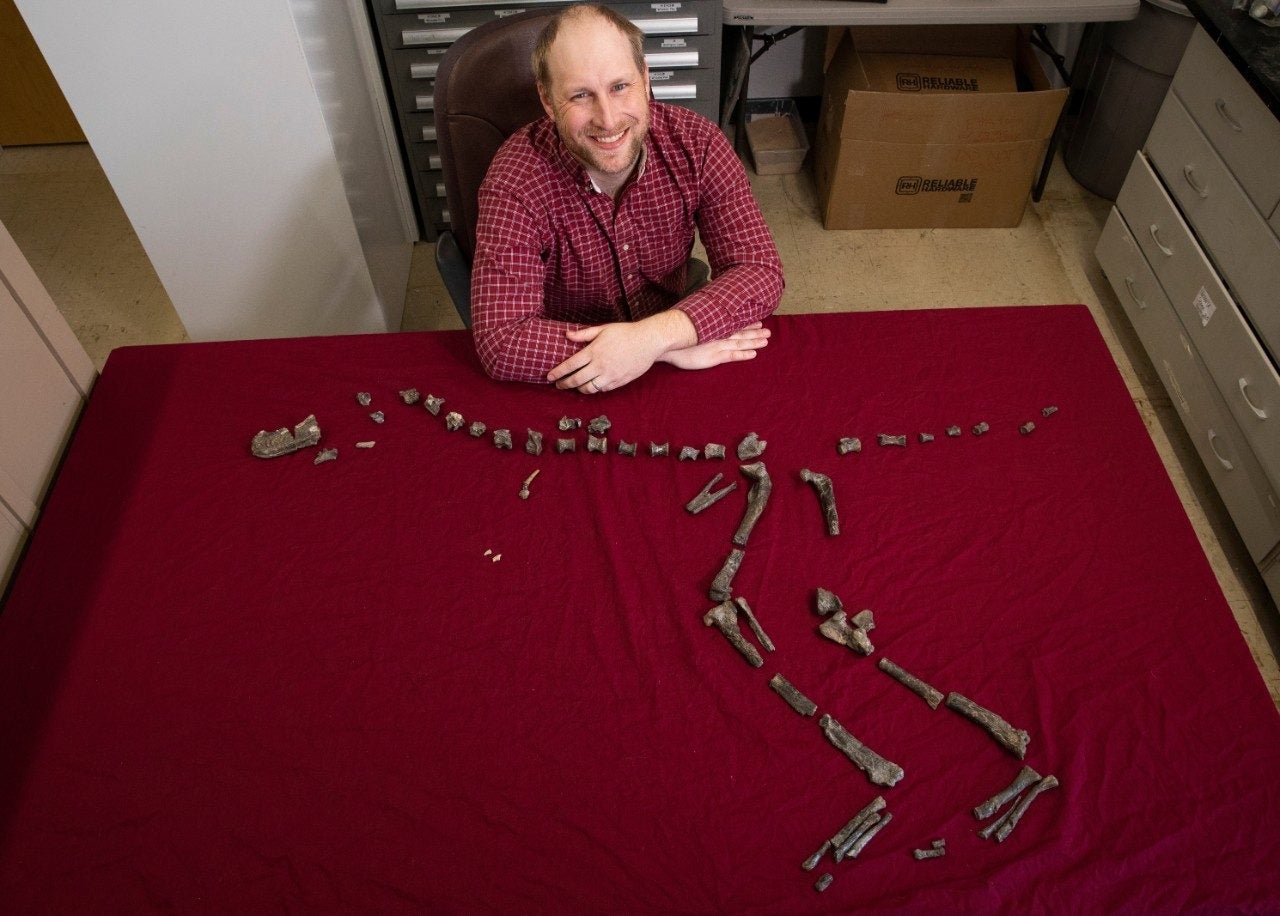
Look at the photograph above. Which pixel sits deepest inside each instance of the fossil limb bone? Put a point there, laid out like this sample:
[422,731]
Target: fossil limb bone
[821,484]
[477,429]
[524,487]
[626,448]
[724,617]
[1027,428]
[432,404]
[378,416]
[880,771]
[283,441]
[953,431]
[823,883]
[926,437]
[568,423]
[1026,776]
[745,610]
[599,444]
[811,863]
[706,498]
[828,602]
[886,439]
[930,695]
[1014,740]
[363,398]
[599,426]
[751,446]
[689,453]
[1048,411]
[836,628]
[849,444]
[858,824]
[796,700]
[712,450]
[982,427]
[659,451]
[329,454]
[937,852]
[1010,820]
[566,445]
[720,586]
[453,421]
[757,499]
[410,395]
[854,845]
[533,444]
[502,438]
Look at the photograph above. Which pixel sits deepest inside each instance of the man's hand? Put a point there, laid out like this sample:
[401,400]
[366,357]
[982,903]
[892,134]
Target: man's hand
[621,352]
[742,345]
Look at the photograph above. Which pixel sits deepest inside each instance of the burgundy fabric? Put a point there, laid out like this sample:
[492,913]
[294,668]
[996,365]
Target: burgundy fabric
[233,684]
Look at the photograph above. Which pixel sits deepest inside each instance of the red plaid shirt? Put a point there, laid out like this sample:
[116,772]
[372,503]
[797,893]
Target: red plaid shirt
[554,253]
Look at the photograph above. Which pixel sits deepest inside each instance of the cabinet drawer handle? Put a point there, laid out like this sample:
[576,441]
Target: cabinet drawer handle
[1221,105]
[1189,174]
[1155,237]
[1213,446]
[1244,393]
[1128,284]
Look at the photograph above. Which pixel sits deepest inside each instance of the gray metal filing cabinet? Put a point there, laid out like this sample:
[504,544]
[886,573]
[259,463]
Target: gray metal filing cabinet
[682,48]
[1192,249]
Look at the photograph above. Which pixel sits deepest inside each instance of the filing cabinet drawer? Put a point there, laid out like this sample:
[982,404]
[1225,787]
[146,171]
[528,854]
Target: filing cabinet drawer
[419,127]
[1237,475]
[1246,251]
[412,66]
[1237,122]
[445,26]
[679,85]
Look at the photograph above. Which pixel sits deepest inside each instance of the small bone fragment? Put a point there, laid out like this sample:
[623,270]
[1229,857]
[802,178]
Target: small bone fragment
[1027,428]
[488,552]
[477,429]
[568,423]
[329,454]
[720,586]
[982,427]
[752,622]
[599,426]
[886,439]
[864,620]
[811,863]
[598,444]
[866,836]
[1026,776]
[880,771]
[712,450]
[533,444]
[502,438]
[283,441]
[849,444]
[453,421]
[752,446]
[757,499]
[659,451]
[689,453]
[566,445]
[378,416]
[953,431]
[524,487]
[1010,820]
[724,616]
[797,701]
[930,695]
[836,628]
[363,398]
[410,395]
[823,883]
[937,852]
[367,444]
[926,437]
[1014,740]
[940,843]
[432,404]
[626,448]
[705,498]
[1048,411]
[497,557]
[821,484]
[828,602]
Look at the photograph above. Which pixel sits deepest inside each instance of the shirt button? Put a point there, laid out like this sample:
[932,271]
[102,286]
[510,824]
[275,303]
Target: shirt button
[626,246]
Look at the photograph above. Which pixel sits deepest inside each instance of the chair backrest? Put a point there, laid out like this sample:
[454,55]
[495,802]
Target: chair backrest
[484,93]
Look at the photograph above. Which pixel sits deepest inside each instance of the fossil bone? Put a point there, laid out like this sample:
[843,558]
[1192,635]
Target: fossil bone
[1048,411]
[953,431]
[926,437]
[366,444]
[843,837]
[937,852]
[864,620]
[724,617]
[659,451]
[283,441]
[851,847]
[879,770]
[821,484]
[706,498]
[599,426]
[566,445]
[502,438]
[363,398]
[823,883]
[626,448]
[568,423]
[524,487]
[828,602]
[1014,740]
[930,695]
[795,699]
[837,629]
[453,421]
[751,446]
[329,454]
[712,450]
[533,444]
[720,586]
[811,863]
[689,453]
[982,427]
[886,439]
[849,444]
[378,416]
[1027,428]
[757,499]
[410,395]
[1010,820]
[477,429]
[761,635]
[1026,776]
[598,444]
[432,404]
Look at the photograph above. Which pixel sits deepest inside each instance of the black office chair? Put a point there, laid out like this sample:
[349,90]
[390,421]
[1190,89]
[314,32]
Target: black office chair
[485,92]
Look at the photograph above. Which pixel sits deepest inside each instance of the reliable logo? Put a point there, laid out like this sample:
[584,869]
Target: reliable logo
[914,82]
[914,184]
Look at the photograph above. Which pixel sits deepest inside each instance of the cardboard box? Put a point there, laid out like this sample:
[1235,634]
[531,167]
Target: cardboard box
[776,136]
[906,159]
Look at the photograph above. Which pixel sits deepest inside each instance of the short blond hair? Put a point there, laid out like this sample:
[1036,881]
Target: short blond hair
[542,50]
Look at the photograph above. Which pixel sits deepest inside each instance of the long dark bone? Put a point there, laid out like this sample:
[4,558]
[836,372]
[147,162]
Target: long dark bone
[706,499]
[721,586]
[930,695]
[757,499]
[745,610]
[1004,826]
[1026,776]
[821,483]
[724,616]
[1014,740]
[795,699]
[854,845]
[880,771]
[856,825]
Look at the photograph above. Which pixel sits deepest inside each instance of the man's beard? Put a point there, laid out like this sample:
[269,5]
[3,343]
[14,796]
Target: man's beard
[616,163]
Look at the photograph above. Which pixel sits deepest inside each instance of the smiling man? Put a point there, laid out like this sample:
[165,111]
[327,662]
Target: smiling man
[587,221]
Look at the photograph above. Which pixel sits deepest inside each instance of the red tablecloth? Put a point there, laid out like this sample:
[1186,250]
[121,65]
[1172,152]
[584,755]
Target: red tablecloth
[236,684]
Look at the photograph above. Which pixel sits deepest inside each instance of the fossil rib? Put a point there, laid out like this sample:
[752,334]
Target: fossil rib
[1014,740]
[524,487]
[1026,776]
[706,498]
[724,617]
[821,484]
[757,499]
[880,771]
[795,699]
[283,441]
[930,695]
[721,585]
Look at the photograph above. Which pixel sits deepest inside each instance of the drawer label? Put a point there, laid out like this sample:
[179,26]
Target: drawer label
[434,17]
[657,76]
[674,43]
[1204,306]
[502,14]
[665,7]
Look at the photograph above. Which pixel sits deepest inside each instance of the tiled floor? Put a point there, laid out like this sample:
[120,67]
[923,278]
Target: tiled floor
[59,207]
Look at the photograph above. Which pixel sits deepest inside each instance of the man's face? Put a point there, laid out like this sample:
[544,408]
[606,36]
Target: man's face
[597,97]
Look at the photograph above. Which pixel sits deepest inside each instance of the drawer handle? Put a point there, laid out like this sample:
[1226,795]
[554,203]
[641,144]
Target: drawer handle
[1213,446]
[1155,237]
[1189,174]
[1128,284]
[1221,105]
[1244,393]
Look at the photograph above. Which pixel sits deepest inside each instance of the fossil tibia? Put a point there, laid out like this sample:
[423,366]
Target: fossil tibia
[432,404]
[1048,411]
[599,426]
[823,883]
[453,421]
[880,771]
[689,453]
[626,448]
[524,487]
[706,498]
[568,423]
[724,617]
[712,450]
[720,586]
[982,427]
[757,499]
[477,429]
[796,700]
[886,439]
[566,445]
[929,694]
[1026,776]
[1014,740]
[659,451]
[752,446]
[533,444]
[821,484]
[1027,428]
[837,629]
[363,398]
[598,444]
[329,454]
[752,622]
[410,395]
[849,444]
[828,602]
[502,438]
[283,441]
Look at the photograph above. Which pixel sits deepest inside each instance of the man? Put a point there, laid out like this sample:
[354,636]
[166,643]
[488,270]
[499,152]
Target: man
[587,221]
